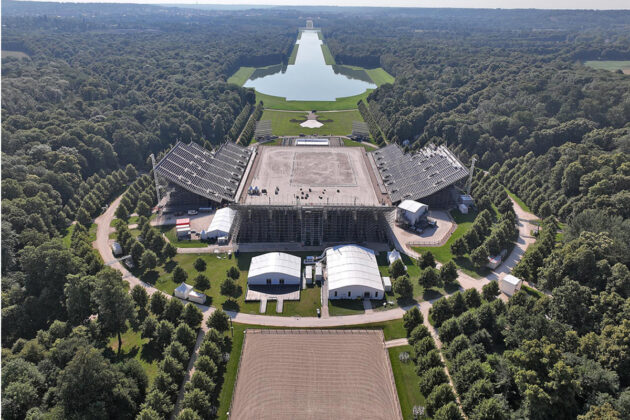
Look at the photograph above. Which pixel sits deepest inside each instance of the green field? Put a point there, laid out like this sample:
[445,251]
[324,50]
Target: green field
[391,330]
[406,381]
[379,76]
[136,347]
[278,103]
[241,76]
[611,65]
[370,147]
[328,58]
[281,124]
[518,200]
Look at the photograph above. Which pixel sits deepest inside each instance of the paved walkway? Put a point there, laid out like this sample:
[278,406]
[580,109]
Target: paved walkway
[398,342]
[525,227]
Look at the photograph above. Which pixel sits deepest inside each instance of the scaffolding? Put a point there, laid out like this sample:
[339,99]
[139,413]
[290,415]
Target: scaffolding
[311,226]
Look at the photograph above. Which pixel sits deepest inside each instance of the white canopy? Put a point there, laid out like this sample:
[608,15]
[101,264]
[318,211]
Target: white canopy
[413,206]
[275,262]
[183,290]
[352,265]
[221,223]
[393,256]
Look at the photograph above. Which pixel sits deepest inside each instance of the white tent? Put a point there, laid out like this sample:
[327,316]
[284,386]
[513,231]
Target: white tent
[412,210]
[221,223]
[353,273]
[510,284]
[393,256]
[116,249]
[387,284]
[274,268]
[196,297]
[183,290]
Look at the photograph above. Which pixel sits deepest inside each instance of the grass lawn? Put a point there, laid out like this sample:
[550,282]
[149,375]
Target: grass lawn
[330,60]
[379,76]
[135,347]
[518,200]
[391,330]
[610,65]
[70,229]
[288,123]
[277,102]
[339,307]
[406,381]
[370,147]
[241,76]
[293,53]
[443,253]
[310,300]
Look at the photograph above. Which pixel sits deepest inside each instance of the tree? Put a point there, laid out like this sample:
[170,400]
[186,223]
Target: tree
[168,251]
[86,384]
[219,320]
[114,305]
[233,273]
[479,257]
[173,310]
[140,296]
[83,217]
[179,275]
[440,311]
[78,291]
[492,409]
[490,291]
[397,269]
[202,381]
[427,260]
[149,260]
[149,328]
[188,413]
[198,401]
[423,346]
[157,303]
[429,278]
[228,287]
[164,333]
[449,411]
[206,365]
[431,360]
[411,319]
[449,330]
[137,249]
[200,264]
[418,333]
[448,272]
[17,399]
[439,397]
[432,378]
[472,298]
[192,316]
[403,287]
[458,304]
[122,212]
[143,209]
[157,405]
[459,247]
[185,335]
[202,282]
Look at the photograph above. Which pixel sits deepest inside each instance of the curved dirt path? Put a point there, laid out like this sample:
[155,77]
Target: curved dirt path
[525,239]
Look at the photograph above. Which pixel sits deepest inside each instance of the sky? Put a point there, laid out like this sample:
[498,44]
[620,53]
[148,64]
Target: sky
[504,4]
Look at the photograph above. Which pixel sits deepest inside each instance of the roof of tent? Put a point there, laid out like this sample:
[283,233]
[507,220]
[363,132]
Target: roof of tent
[222,220]
[512,280]
[412,206]
[352,265]
[275,262]
[184,288]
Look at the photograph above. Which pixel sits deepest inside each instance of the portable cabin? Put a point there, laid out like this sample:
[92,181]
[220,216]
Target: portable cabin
[510,284]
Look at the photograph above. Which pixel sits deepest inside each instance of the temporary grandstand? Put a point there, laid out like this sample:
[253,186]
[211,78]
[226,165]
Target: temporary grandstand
[198,177]
[360,130]
[427,175]
[262,130]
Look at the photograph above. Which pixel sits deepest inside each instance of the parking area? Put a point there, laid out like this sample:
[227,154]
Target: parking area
[198,222]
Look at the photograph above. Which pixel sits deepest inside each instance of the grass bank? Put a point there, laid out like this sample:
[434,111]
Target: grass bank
[520,202]
[328,57]
[288,123]
[240,77]
[279,103]
[379,76]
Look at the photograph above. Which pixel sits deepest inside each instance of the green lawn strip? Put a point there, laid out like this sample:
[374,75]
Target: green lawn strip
[533,292]
[406,381]
[610,65]
[341,307]
[379,76]
[391,330]
[443,253]
[352,143]
[520,202]
[310,300]
[279,103]
[171,235]
[135,347]
[240,77]
[293,54]
[328,57]
[288,123]
[67,238]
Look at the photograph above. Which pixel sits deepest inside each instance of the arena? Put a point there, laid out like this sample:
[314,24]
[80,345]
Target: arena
[312,175]
[315,374]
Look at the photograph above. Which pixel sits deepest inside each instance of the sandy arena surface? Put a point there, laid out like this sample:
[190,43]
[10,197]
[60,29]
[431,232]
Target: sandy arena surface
[334,175]
[315,374]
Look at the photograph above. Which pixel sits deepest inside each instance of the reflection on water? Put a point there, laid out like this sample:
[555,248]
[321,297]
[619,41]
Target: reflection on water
[309,79]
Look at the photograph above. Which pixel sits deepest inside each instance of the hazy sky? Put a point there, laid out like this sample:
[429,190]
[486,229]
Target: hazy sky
[505,4]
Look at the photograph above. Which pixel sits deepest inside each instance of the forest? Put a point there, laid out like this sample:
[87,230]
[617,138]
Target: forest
[104,87]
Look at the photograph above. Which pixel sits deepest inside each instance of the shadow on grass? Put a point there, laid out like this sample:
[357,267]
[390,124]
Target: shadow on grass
[451,288]
[467,265]
[150,277]
[170,266]
[406,301]
[150,352]
[347,304]
[431,294]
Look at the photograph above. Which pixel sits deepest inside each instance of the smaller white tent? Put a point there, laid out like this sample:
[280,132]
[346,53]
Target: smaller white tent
[510,284]
[185,291]
[221,223]
[412,210]
[116,249]
[387,284]
[393,256]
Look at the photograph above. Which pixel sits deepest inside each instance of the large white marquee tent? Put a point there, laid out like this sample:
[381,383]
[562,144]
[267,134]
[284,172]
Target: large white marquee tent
[221,223]
[353,273]
[274,268]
